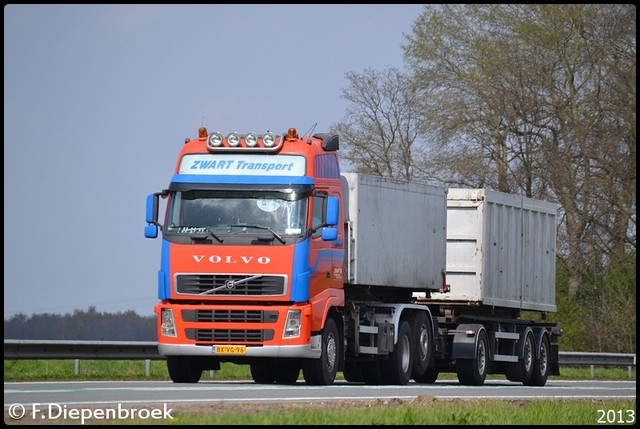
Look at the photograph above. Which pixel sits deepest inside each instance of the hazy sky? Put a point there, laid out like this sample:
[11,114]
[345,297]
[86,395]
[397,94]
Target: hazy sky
[98,100]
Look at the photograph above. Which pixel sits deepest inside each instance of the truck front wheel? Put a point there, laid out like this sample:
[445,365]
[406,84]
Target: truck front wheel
[322,372]
[261,372]
[184,369]
[286,371]
[280,371]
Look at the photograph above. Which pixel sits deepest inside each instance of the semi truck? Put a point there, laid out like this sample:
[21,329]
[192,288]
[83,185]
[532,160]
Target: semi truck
[272,257]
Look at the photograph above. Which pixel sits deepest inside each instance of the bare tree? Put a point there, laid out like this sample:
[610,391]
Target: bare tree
[380,131]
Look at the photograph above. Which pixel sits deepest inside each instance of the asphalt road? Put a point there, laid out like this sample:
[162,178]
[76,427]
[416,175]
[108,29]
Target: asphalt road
[165,392]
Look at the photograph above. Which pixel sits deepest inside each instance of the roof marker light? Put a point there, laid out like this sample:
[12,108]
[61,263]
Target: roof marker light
[251,139]
[233,139]
[215,140]
[269,139]
[292,134]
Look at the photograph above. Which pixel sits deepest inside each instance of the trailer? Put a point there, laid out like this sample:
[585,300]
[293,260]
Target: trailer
[500,260]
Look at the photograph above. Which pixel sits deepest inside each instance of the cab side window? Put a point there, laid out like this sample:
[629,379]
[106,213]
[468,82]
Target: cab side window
[317,214]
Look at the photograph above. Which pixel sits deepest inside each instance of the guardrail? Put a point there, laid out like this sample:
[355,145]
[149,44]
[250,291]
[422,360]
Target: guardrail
[76,350]
[148,351]
[61,349]
[598,359]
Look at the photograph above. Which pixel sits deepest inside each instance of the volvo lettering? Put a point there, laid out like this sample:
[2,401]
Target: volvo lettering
[215,259]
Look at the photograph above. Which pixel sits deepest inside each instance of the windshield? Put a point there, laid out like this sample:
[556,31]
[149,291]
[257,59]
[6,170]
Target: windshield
[280,213]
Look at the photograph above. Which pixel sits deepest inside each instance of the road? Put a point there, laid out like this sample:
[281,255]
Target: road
[164,392]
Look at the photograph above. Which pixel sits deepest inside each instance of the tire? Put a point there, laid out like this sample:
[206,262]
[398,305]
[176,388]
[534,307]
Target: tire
[183,369]
[286,371]
[261,373]
[397,369]
[541,364]
[429,376]
[371,374]
[423,344]
[322,372]
[473,372]
[352,373]
[522,371]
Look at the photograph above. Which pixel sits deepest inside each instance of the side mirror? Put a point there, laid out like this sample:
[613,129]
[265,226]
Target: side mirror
[151,231]
[152,208]
[329,234]
[333,209]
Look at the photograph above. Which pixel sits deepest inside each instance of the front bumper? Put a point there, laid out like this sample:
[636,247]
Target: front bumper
[298,351]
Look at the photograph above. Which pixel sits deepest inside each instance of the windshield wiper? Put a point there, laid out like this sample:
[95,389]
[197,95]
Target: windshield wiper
[268,228]
[193,232]
[213,234]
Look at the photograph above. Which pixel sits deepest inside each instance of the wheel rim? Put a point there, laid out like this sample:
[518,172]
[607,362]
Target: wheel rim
[424,342]
[482,357]
[331,352]
[543,358]
[406,354]
[528,354]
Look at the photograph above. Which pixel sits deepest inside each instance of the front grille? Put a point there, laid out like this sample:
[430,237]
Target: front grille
[230,335]
[243,316]
[230,284]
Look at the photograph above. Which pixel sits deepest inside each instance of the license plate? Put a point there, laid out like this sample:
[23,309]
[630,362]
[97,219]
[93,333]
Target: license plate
[229,350]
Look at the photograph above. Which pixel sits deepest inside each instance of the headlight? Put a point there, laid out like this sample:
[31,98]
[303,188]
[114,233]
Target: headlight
[292,324]
[168,325]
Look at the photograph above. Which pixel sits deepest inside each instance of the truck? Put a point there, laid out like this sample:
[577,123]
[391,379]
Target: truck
[272,257]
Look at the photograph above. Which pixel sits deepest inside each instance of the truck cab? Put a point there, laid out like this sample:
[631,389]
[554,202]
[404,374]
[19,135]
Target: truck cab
[252,254]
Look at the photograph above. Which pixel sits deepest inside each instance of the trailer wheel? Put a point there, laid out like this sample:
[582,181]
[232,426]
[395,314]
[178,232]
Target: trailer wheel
[321,372]
[541,364]
[522,370]
[473,372]
[261,372]
[183,369]
[423,344]
[397,369]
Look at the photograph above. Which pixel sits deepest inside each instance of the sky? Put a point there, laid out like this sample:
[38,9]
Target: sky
[98,100]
